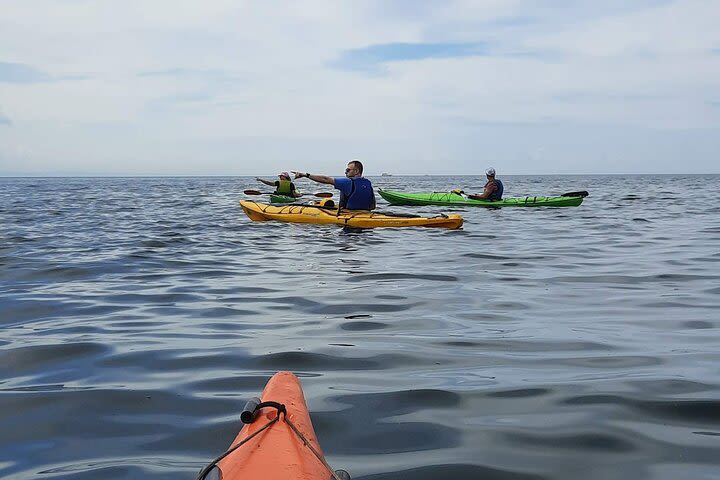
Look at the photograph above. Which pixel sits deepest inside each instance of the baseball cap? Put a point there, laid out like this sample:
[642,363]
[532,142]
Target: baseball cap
[490,172]
[284,174]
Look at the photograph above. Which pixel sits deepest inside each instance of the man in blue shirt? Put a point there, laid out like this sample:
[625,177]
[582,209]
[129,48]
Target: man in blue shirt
[356,191]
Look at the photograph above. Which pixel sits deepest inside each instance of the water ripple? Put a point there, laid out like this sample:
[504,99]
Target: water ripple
[138,315]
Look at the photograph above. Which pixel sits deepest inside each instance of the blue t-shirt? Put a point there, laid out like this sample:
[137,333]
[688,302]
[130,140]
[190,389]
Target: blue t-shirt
[355,193]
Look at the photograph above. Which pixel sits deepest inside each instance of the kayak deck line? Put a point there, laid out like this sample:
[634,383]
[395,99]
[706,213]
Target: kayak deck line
[274,449]
[281,410]
[348,213]
[203,475]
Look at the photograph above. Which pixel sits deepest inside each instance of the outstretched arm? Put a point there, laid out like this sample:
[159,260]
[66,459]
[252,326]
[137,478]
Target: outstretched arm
[482,196]
[266,182]
[315,178]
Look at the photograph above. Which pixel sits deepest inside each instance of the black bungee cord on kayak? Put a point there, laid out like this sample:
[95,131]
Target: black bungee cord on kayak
[210,472]
[247,416]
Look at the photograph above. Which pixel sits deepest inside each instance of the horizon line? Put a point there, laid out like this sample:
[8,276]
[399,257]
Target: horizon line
[374,175]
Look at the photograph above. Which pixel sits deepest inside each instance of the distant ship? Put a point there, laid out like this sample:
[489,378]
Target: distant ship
[385,174]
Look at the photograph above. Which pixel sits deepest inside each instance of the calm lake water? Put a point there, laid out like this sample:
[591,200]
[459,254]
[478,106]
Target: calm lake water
[138,315]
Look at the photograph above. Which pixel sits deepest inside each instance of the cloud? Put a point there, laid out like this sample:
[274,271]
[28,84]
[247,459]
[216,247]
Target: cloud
[390,80]
[19,73]
[179,72]
[182,102]
[372,56]
[197,74]
[660,29]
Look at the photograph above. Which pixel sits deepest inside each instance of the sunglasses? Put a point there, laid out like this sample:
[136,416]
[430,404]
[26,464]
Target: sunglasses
[349,170]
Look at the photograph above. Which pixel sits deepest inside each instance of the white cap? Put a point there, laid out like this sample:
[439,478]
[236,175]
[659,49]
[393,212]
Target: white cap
[490,172]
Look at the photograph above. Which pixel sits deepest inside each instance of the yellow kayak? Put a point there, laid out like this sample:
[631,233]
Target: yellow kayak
[262,212]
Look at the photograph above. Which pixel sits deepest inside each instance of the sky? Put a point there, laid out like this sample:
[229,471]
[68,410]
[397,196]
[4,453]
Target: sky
[232,87]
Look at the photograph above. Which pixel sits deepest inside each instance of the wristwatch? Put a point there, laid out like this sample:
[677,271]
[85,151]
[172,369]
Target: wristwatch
[307,175]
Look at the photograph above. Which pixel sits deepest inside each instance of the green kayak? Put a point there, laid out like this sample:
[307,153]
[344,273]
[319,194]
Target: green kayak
[572,199]
[281,198]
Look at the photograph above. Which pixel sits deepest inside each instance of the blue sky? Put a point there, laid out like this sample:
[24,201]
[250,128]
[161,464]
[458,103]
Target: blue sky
[409,87]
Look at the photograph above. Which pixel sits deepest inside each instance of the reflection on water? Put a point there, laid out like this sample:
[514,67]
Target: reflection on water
[139,314]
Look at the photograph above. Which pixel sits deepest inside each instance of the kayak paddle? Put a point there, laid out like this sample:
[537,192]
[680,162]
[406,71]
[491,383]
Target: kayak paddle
[318,194]
[582,193]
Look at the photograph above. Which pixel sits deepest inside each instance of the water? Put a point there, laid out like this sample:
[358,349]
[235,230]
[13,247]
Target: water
[137,316]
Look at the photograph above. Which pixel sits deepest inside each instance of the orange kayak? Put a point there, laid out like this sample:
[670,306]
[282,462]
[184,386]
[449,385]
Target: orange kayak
[278,441]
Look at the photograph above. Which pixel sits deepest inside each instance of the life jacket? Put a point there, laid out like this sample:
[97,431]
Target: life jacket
[284,187]
[362,196]
[497,194]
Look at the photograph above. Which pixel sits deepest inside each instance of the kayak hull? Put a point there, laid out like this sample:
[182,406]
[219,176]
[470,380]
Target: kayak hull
[277,453]
[261,212]
[454,199]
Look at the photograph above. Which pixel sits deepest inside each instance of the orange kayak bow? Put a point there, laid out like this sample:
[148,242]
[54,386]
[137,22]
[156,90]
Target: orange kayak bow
[278,441]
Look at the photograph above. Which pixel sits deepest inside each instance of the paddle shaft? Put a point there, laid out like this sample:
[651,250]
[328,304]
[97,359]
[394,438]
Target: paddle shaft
[318,194]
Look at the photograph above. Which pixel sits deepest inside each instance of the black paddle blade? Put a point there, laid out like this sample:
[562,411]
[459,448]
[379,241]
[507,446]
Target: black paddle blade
[252,192]
[323,194]
[581,193]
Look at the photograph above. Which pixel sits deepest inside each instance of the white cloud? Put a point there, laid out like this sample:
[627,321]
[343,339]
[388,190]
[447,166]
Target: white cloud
[255,79]
[681,27]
